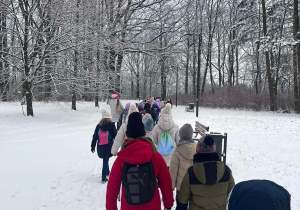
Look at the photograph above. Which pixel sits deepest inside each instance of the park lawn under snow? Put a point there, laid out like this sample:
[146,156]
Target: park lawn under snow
[46,163]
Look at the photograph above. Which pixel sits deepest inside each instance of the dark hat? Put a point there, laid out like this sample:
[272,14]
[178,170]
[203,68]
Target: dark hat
[186,132]
[147,106]
[259,195]
[206,144]
[135,126]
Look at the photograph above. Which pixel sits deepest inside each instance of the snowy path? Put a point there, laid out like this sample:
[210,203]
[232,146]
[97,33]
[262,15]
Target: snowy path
[46,163]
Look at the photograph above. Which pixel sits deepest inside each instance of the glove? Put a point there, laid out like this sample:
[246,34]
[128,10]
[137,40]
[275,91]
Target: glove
[92,149]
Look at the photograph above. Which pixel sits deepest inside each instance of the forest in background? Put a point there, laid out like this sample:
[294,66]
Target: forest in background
[246,52]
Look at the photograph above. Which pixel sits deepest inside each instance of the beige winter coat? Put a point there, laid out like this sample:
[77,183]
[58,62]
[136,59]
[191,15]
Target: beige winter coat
[113,108]
[181,160]
[166,123]
[119,139]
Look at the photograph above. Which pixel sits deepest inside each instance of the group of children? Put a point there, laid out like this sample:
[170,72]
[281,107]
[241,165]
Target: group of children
[153,153]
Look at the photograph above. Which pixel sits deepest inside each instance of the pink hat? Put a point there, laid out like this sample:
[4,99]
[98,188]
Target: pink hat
[115,95]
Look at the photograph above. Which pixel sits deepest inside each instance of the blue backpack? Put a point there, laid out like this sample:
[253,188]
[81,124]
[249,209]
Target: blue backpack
[165,145]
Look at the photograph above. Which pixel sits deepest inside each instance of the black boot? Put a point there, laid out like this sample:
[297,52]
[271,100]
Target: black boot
[104,180]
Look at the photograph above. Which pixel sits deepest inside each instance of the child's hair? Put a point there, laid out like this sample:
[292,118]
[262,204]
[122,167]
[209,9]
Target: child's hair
[148,140]
[105,121]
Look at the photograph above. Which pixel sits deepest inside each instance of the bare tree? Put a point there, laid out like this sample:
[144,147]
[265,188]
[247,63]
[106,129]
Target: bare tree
[296,57]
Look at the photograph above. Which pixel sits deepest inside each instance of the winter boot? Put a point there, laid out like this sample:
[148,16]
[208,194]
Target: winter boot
[104,180]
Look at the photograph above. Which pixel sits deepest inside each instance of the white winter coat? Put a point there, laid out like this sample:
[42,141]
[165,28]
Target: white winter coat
[148,134]
[166,123]
[113,108]
[119,139]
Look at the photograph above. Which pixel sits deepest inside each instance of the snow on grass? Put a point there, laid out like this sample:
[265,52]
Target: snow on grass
[46,163]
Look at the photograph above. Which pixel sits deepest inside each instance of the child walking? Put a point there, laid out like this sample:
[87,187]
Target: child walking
[137,167]
[104,135]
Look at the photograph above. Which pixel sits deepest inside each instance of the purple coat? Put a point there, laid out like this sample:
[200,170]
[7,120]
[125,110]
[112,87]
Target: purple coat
[158,103]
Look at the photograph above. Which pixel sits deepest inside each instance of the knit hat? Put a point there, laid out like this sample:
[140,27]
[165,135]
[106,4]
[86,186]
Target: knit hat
[259,195]
[132,109]
[105,113]
[127,106]
[167,109]
[186,132]
[147,106]
[206,144]
[115,95]
[135,126]
[148,122]
[141,105]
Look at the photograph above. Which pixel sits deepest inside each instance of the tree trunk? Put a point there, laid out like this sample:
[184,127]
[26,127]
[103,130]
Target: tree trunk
[75,71]
[258,80]
[97,78]
[27,88]
[230,60]
[111,63]
[186,85]
[212,83]
[296,58]
[219,59]
[138,76]
[162,67]
[74,79]
[4,70]
[118,71]
[194,66]
[209,45]
[48,69]
[272,89]
[27,84]
[237,65]
[132,84]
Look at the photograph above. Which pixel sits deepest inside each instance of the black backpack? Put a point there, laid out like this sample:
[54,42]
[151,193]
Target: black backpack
[139,183]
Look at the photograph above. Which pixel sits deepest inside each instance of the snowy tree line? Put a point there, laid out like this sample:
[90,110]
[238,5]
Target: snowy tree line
[247,51]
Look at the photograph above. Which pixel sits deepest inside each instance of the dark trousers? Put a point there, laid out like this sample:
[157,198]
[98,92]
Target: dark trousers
[105,168]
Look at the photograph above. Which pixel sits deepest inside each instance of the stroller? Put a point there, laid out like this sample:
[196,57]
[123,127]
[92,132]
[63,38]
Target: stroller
[190,108]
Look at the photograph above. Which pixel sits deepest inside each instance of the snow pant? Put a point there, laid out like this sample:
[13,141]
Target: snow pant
[105,168]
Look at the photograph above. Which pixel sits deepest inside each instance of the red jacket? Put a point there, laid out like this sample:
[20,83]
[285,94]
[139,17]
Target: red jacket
[139,152]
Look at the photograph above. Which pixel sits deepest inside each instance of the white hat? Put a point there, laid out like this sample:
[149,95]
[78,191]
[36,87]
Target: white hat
[105,113]
[148,122]
[167,109]
[131,109]
[146,117]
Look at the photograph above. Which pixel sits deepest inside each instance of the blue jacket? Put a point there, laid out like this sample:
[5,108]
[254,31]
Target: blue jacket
[104,151]
[156,110]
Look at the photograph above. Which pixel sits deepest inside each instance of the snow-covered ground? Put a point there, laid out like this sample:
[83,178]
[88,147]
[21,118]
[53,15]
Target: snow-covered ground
[46,163]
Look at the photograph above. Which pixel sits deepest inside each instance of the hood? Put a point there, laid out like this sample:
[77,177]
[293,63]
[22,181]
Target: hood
[154,106]
[268,195]
[137,152]
[210,171]
[187,150]
[141,109]
[165,122]
[106,127]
